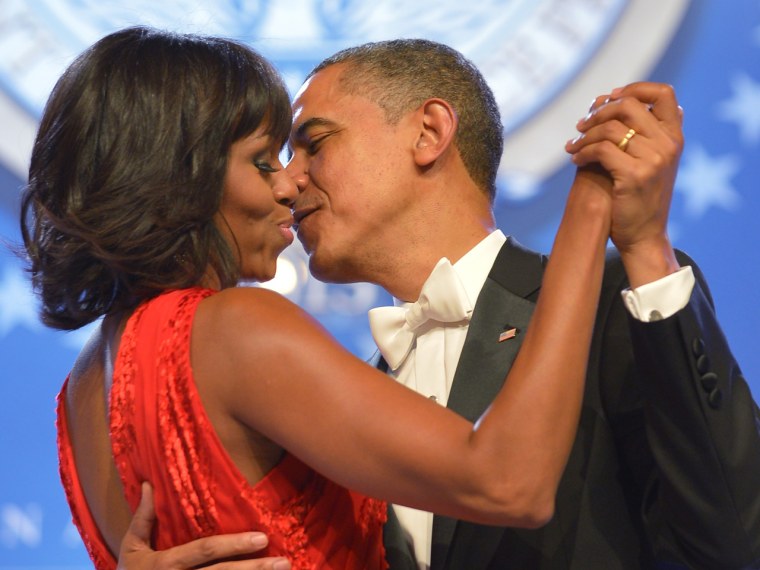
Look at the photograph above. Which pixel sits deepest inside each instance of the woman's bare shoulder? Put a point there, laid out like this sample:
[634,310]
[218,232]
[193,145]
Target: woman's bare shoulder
[253,320]
[244,307]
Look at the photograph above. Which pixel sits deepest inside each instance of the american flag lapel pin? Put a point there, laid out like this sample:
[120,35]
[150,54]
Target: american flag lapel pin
[509,332]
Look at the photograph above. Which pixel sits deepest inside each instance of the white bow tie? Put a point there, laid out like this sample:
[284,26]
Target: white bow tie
[442,299]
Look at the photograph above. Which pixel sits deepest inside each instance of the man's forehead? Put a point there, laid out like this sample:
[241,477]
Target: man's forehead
[323,83]
[308,115]
[303,91]
[317,100]
[307,98]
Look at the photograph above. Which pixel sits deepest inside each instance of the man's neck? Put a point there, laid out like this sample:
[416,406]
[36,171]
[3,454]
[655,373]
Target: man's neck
[405,281]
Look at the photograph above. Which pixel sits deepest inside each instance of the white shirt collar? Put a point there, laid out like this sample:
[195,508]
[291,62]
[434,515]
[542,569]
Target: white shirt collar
[474,266]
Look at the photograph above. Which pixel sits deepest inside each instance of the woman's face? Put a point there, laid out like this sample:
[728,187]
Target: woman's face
[255,215]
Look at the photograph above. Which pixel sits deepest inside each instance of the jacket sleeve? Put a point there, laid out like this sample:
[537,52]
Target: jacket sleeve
[700,497]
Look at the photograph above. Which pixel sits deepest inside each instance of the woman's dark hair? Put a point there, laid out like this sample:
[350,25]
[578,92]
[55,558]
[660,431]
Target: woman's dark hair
[128,166]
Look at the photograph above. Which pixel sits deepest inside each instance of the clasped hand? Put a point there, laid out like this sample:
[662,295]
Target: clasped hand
[635,135]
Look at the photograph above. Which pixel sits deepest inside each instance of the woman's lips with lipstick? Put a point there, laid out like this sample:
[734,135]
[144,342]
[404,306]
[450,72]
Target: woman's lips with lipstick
[286,229]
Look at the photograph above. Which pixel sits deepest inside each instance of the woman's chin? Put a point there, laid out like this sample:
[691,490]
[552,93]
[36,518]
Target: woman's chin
[261,275]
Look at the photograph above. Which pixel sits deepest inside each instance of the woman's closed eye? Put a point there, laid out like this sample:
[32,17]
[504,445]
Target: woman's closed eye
[265,166]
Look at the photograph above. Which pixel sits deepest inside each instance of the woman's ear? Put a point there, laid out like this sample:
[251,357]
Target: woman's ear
[438,124]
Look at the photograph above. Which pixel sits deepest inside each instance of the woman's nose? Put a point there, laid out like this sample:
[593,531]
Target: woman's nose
[285,189]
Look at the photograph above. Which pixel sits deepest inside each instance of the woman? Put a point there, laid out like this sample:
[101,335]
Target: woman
[155,185]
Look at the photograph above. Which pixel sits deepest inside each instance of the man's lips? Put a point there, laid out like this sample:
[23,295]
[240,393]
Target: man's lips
[300,213]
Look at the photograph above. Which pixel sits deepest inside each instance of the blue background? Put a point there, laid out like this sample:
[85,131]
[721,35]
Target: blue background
[714,63]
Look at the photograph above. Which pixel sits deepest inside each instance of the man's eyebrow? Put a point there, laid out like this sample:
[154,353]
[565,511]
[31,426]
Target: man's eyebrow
[302,129]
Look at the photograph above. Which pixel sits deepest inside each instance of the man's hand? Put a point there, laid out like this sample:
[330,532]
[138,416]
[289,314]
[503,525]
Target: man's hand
[635,135]
[136,553]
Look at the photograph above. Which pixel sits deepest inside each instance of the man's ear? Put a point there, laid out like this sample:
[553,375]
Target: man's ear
[437,128]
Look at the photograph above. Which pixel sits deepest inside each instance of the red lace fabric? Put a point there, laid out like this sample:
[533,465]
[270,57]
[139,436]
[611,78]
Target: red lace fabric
[160,433]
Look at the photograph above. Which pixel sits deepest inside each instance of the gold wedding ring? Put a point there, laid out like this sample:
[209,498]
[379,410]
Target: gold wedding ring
[624,142]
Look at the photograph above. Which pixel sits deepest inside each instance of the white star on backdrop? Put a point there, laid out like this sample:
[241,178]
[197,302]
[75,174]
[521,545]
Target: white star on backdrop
[18,305]
[705,181]
[743,108]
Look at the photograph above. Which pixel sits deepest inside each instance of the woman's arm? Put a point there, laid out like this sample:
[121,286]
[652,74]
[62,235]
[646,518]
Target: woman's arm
[289,380]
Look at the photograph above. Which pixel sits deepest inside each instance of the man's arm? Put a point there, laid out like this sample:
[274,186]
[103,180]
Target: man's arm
[137,554]
[700,500]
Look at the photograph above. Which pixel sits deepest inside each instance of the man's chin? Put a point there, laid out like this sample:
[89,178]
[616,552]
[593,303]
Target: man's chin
[305,242]
[320,271]
[327,271]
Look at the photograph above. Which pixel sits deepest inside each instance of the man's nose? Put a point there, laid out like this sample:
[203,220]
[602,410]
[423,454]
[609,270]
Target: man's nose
[298,172]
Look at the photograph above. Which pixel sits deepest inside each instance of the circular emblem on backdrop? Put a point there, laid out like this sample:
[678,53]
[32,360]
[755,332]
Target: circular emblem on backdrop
[544,59]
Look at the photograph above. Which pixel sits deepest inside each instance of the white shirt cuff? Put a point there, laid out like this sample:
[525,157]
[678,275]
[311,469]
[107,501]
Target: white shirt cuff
[662,298]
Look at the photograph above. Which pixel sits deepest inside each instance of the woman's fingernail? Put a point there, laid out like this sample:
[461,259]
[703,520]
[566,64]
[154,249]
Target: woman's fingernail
[281,565]
[259,539]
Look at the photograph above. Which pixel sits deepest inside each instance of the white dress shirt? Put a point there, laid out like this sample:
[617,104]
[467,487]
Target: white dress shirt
[432,374]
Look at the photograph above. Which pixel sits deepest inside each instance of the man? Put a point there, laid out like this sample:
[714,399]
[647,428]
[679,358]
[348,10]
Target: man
[395,151]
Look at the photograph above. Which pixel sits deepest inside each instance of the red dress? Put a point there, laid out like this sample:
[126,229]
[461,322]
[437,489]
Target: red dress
[160,433]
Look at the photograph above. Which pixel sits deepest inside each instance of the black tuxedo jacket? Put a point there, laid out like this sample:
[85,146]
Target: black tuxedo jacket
[665,468]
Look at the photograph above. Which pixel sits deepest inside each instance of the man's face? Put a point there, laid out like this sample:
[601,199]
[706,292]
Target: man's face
[353,170]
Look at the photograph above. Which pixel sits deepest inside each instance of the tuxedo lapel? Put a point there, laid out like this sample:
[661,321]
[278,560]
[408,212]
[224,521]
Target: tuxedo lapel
[485,358]
[506,302]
